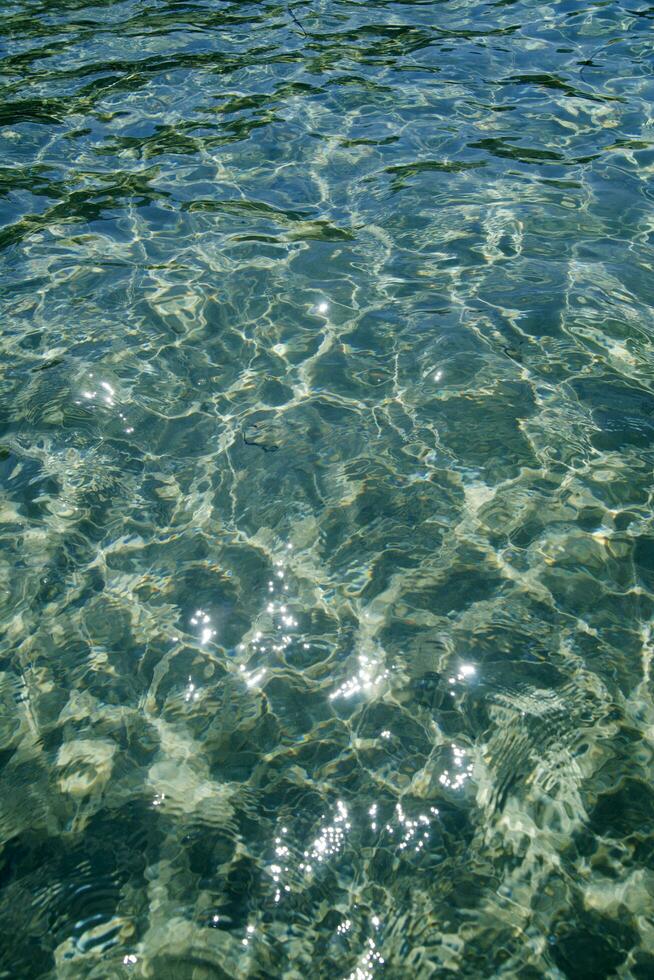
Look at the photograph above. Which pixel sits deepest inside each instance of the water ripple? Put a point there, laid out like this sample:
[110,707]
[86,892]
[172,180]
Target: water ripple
[327,568]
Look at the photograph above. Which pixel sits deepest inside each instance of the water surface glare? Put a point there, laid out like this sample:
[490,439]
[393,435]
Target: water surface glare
[326,444]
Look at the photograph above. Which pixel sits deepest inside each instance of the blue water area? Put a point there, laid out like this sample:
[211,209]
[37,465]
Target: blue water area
[326,483]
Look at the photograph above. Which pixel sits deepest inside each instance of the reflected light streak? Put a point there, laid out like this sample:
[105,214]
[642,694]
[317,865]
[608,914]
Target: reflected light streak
[203,620]
[106,396]
[364,970]
[463,770]
[368,677]
[330,840]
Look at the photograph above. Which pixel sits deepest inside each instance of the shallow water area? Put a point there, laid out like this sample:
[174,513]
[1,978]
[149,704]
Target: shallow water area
[326,448]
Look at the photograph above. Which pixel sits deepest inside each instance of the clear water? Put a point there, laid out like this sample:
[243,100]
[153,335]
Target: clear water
[327,434]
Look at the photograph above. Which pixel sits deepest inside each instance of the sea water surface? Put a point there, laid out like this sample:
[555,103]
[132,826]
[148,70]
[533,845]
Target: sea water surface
[326,454]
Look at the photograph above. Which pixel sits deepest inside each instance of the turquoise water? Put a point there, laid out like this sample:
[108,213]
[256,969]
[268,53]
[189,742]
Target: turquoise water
[327,435]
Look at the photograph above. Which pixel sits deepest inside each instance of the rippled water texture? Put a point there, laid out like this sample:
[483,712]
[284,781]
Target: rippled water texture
[327,434]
